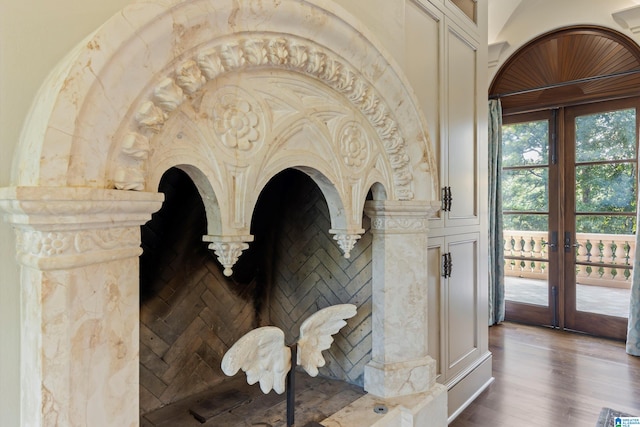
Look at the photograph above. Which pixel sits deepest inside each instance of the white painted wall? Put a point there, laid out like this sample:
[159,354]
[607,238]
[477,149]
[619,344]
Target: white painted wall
[34,36]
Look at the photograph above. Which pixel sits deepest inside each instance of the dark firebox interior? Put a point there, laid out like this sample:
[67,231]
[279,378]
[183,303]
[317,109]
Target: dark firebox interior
[190,313]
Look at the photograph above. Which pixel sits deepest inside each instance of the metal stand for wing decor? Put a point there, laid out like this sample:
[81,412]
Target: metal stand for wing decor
[264,357]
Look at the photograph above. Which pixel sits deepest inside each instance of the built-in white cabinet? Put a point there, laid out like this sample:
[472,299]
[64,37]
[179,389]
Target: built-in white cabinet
[460,151]
[458,327]
[446,65]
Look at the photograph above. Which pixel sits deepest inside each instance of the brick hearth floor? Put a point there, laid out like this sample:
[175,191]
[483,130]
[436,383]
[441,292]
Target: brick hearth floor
[235,403]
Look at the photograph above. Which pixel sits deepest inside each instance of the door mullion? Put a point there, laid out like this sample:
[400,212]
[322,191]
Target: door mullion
[557,215]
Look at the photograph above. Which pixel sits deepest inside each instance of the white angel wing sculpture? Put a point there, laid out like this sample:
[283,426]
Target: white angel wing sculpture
[263,355]
[316,335]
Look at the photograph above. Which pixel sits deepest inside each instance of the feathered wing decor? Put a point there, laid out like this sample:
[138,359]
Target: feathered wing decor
[263,355]
[316,335]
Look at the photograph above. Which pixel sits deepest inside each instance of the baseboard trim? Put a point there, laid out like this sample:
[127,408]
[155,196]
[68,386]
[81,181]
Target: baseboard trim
[465,390]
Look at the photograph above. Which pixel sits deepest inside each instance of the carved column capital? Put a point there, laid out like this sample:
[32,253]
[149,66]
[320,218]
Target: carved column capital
[62,228]
[400,217]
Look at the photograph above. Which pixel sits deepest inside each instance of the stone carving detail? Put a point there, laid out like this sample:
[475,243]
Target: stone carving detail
[400,224]
[168,95]
[189,77]
[210,64]
[346,242]
[57,243]
[228,254]
[129,178]
[53,244]
[105,239]
[150,117]
[290,53]
[266,359]
[354,146]
[235,122]
[136,145]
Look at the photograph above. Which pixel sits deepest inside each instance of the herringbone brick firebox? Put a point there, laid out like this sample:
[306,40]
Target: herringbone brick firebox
[190,313]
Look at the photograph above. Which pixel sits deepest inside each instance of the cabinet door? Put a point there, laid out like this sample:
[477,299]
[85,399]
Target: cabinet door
[460,150]
[461,297]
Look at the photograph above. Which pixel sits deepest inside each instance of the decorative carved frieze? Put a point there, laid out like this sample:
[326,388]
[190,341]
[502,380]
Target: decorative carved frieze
[400,216]
[237,119]
[52,250]
[59,228]
[400,224]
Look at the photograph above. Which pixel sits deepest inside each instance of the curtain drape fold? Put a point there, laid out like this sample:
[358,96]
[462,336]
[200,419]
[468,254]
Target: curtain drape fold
[633,331]
[496,244]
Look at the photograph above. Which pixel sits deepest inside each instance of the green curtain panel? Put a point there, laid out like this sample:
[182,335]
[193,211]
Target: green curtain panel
[633,332]
[496,243]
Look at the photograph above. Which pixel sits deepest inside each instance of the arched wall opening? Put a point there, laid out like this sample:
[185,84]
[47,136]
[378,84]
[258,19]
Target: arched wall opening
[190,313]
[568,66]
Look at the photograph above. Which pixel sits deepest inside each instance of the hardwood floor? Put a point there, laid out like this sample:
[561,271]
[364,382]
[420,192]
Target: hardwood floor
[552,378]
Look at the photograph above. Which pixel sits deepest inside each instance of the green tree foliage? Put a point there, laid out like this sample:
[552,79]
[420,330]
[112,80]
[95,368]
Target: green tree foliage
[606,173]
[525,180]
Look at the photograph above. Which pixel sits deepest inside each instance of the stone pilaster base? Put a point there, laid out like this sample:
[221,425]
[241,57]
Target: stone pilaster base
[400,379]
[427,409]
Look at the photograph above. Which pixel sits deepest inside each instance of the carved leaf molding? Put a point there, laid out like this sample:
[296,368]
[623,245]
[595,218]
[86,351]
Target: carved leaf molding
[276,51]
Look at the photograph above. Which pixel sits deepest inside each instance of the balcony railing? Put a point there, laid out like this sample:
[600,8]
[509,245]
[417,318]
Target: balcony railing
[612,254]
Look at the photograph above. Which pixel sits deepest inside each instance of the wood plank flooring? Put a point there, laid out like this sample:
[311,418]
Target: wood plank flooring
[546,377]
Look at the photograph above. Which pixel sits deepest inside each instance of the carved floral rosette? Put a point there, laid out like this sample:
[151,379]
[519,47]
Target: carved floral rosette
[262,52]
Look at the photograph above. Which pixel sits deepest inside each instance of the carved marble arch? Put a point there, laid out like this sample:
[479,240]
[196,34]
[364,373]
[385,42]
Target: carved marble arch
[237,131]
[105,103]
[237,92]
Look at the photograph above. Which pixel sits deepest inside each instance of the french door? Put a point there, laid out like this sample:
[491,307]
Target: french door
[569,213]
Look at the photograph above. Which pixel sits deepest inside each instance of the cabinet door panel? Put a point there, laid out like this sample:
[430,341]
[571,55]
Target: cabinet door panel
[462,129]
[461,303]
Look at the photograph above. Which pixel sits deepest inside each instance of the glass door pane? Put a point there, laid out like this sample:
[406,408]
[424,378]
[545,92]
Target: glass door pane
[525,204]
[604,192]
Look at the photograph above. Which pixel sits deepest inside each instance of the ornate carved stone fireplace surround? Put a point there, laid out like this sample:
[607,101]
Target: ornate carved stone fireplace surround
[230,92]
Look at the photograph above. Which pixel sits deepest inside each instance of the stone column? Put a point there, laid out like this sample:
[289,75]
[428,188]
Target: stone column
[400,363]
[78,249]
